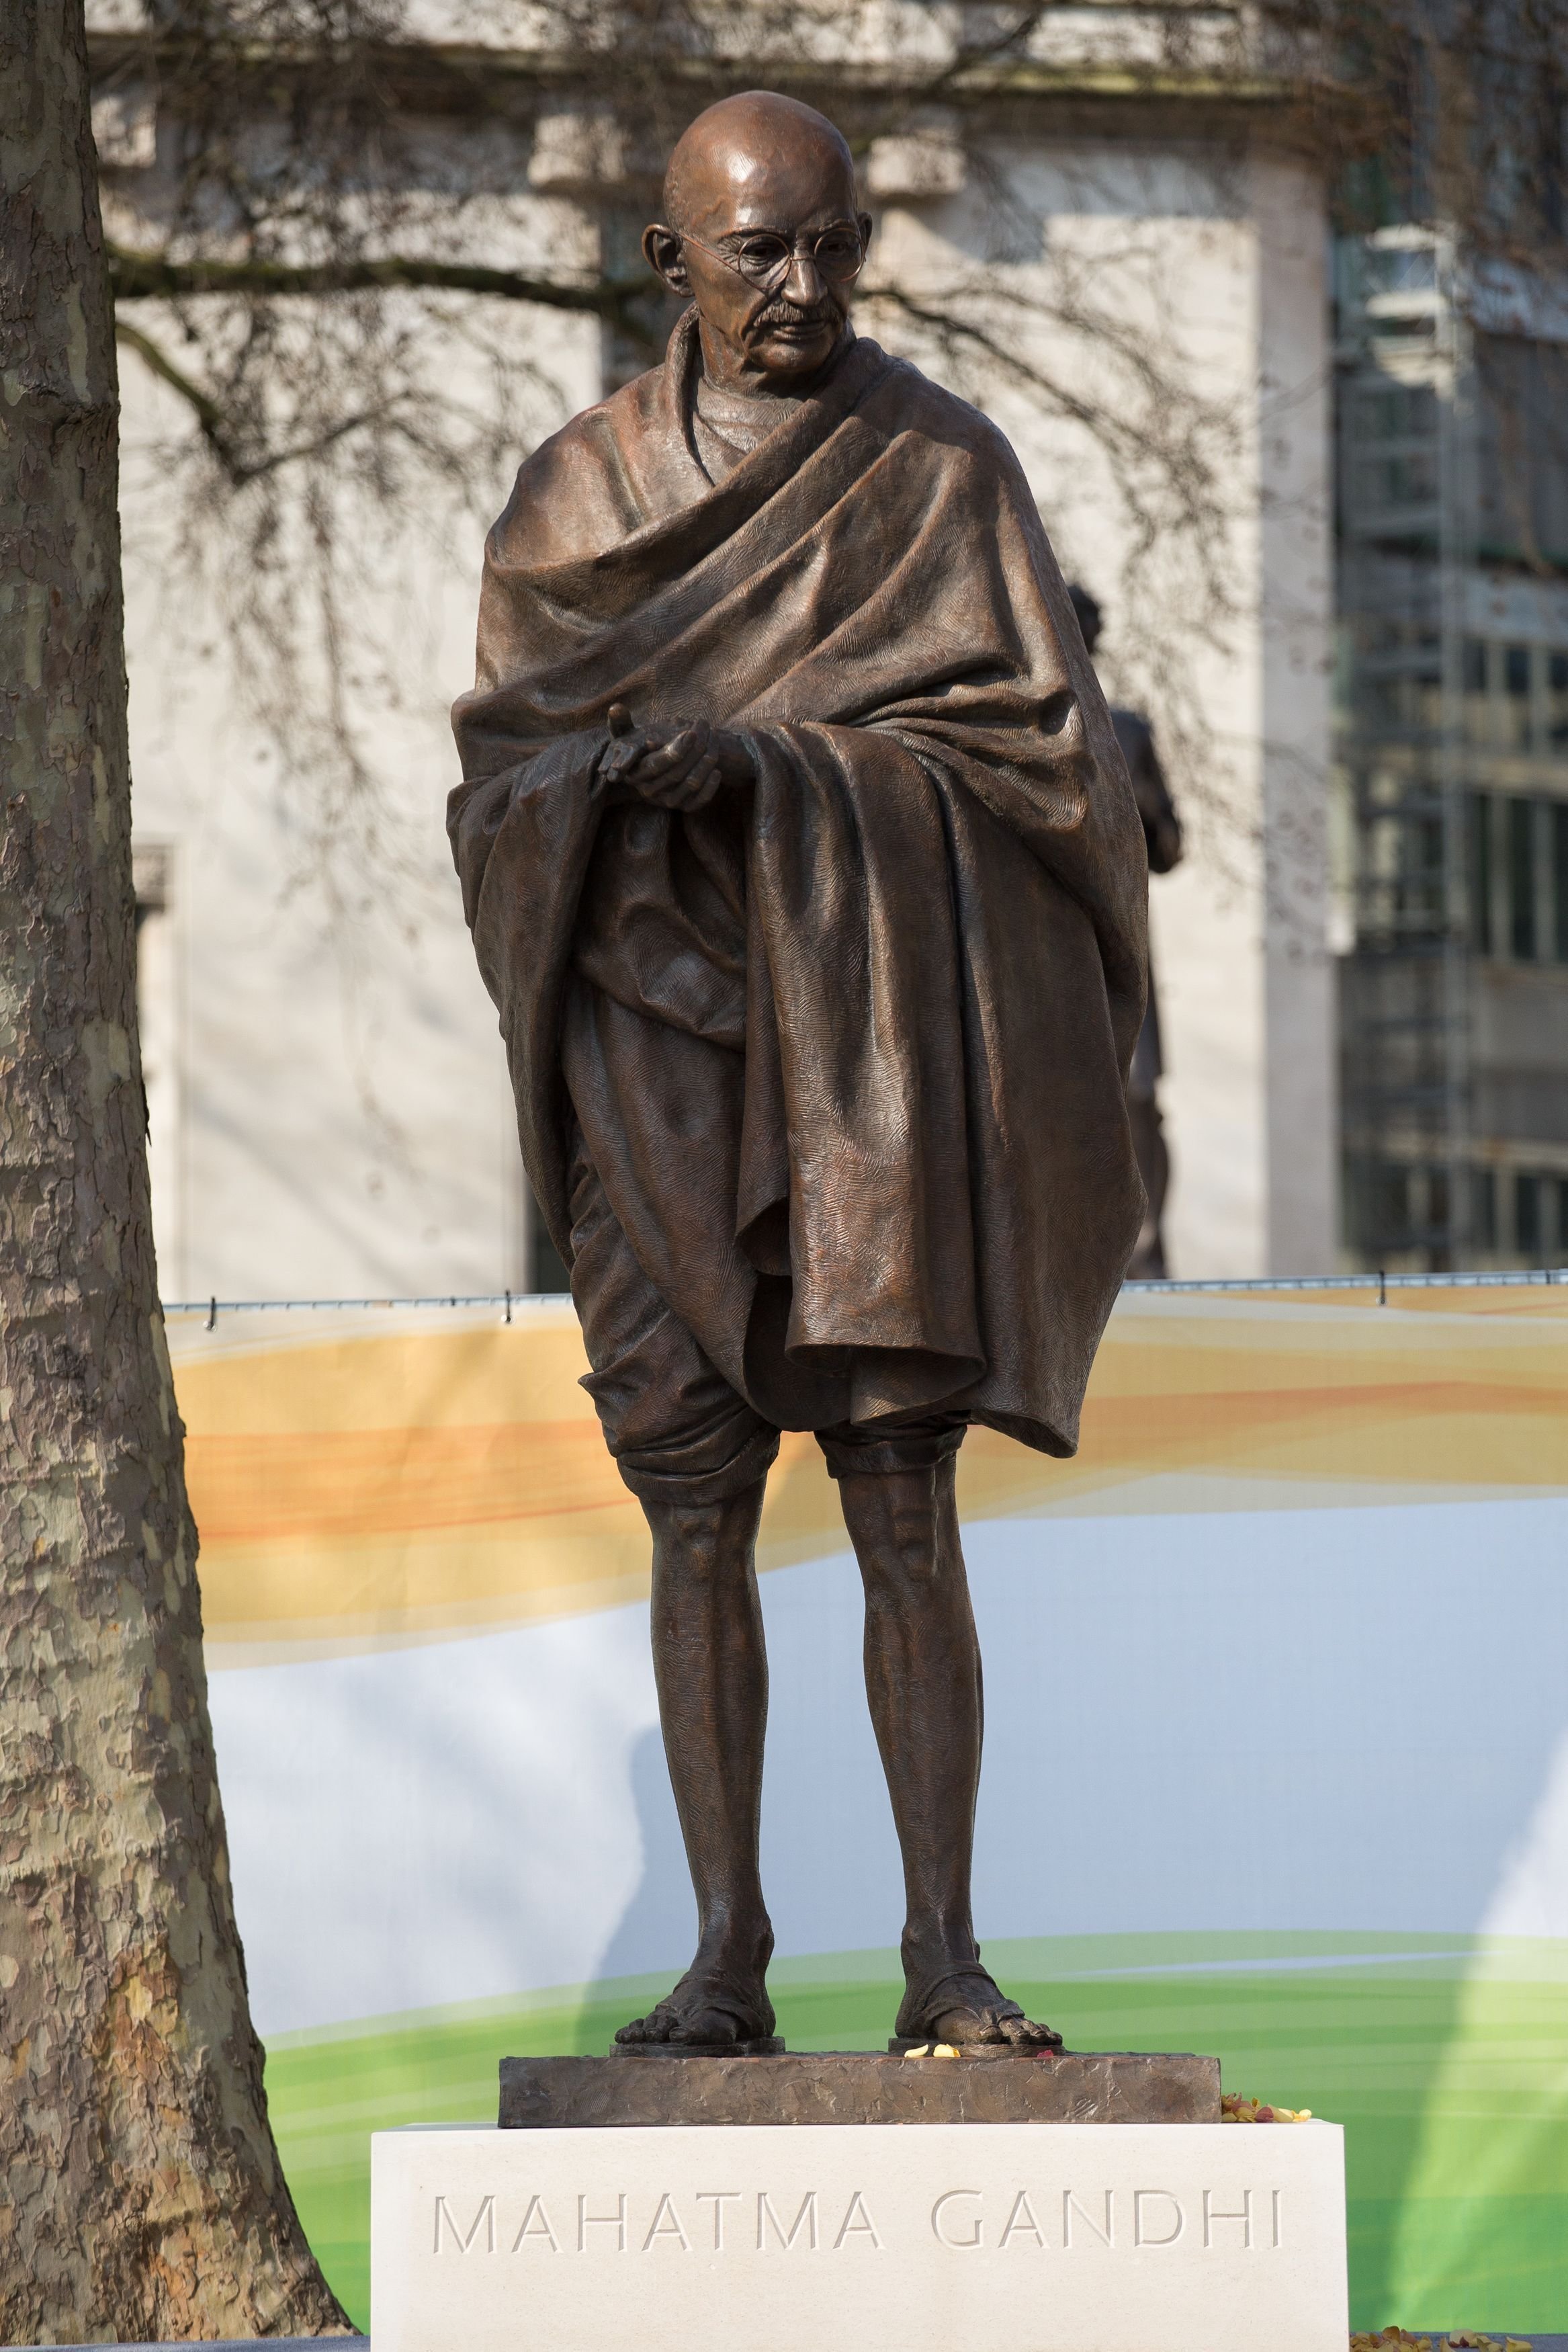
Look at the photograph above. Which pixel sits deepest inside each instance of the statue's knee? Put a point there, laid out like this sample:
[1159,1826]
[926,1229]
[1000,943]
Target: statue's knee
[698,1541]
[893,1523]
[689,1532]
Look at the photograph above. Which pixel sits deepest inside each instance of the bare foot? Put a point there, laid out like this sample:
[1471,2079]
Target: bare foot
[967,2004]
[707,2005]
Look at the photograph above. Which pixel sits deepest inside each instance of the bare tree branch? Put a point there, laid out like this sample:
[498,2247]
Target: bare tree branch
[153,277]
[304,240]
[207,412]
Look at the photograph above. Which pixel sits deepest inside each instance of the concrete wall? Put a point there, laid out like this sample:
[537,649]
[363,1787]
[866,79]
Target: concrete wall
[1295,586]
[330,1115]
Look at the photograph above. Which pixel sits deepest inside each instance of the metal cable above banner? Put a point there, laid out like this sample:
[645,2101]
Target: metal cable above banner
[1531,1278]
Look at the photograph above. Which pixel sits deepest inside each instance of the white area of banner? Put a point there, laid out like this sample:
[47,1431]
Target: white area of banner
[1532,1895]
[1333,1720]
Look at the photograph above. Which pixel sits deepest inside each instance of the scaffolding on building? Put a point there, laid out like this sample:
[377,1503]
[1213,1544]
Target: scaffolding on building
[1407,505]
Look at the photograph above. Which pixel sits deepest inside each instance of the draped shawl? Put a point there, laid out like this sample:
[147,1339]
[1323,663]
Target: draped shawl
[847,1050]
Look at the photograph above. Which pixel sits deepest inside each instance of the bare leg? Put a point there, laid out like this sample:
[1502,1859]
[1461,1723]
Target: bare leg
[923,1681]
[712,1674]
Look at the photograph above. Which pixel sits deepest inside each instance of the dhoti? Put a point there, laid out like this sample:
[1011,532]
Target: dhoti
[677,1430]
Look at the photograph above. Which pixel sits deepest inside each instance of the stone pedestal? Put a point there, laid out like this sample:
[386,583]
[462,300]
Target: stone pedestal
[981,2085]
[646,2202]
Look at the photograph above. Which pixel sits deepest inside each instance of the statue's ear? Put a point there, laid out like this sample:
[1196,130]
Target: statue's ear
[663,252]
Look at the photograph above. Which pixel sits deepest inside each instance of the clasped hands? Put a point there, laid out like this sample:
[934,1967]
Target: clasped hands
[678,766]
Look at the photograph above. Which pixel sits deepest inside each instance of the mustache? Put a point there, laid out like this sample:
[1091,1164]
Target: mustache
[797,314]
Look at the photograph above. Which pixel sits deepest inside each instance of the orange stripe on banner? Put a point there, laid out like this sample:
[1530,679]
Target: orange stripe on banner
[384,1480]
[1469,1431]
[370,1482]
[358,1482]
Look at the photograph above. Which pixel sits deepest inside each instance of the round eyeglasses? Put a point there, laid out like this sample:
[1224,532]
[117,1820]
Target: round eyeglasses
[765,257]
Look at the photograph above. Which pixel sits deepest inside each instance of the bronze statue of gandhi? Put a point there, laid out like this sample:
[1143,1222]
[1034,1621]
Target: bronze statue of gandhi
[804,870]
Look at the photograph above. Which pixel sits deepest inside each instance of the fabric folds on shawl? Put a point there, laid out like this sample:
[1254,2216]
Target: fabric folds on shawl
[848,1051]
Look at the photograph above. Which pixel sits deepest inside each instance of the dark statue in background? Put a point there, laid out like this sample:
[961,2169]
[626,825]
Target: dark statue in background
[802,865]
[1161,840]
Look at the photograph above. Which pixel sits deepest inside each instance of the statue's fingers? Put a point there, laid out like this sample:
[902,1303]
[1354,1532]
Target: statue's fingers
[707,774]
[623,754]
[694,739]
[645,774]
[684,749]
[684,760]
[664,792]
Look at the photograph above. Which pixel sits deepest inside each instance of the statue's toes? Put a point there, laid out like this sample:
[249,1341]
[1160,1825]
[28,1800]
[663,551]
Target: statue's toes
[1025,2034]
[1004,2023]
[993,2026]
[675,2022]
[655,2027]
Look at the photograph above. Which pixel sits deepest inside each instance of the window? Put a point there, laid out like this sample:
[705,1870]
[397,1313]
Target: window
[1526,1216]
[1484,1198]
[1557,701]
[1521,879]
[1390,1200]
[1515,697]
[1479,865]
[1377,1204]
[1437,1200]
[1516,687]
[1522,845]
[1541,1217]
[1475,673]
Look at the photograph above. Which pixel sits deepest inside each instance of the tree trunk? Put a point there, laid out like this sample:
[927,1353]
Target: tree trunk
[145,2195]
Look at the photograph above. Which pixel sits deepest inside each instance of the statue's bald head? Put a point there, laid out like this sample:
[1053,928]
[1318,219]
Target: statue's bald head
[760,231]
[757,160]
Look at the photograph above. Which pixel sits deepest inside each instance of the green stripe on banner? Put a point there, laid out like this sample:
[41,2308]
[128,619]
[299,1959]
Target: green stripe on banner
[1444,2057]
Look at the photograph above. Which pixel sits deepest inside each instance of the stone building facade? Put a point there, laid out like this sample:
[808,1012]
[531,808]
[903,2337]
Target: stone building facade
[1125,262]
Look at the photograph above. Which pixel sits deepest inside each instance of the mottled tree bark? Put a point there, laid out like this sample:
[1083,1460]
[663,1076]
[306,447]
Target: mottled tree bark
[144,2196]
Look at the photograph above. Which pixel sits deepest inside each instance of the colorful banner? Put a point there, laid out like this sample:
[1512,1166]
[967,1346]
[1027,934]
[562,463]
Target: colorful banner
[1277,1737]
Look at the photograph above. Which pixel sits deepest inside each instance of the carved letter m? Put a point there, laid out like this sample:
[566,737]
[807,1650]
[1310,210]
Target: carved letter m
[487,2214]
[807,2214]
